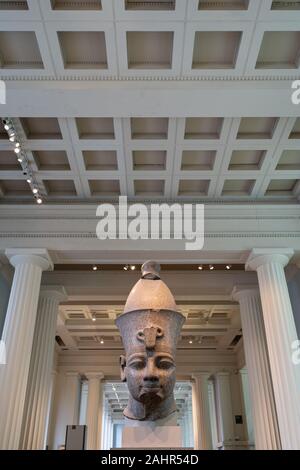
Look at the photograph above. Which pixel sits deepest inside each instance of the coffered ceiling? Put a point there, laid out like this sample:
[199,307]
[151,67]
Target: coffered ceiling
[209,326]
[151,99]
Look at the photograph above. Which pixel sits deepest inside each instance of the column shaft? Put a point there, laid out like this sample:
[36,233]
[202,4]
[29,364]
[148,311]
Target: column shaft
[39,383]
[225,413]
[92,418]
[203,417]
[18,337]
[260,382]
[280,333]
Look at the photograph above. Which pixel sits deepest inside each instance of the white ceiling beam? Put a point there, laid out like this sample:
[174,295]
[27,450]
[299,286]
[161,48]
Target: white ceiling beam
[122,99]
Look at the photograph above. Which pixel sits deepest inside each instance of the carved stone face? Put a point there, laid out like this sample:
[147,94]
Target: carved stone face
[150,375]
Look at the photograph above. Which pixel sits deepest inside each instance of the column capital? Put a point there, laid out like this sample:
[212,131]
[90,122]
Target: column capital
[262,256]
[201,374]
[240,291]
[39,257]
[94,375]
[54,292]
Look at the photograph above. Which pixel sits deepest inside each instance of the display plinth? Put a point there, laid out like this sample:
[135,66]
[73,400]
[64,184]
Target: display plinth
[152,437]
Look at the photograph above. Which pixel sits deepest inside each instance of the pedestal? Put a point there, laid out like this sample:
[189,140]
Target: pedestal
[152,437]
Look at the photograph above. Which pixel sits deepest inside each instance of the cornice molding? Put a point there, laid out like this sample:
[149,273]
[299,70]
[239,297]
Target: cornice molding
[148,78]
[92,235]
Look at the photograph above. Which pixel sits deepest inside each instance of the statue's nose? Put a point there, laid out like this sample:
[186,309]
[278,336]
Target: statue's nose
[151,374]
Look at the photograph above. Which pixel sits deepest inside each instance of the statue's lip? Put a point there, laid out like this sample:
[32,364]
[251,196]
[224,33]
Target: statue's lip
[150,387]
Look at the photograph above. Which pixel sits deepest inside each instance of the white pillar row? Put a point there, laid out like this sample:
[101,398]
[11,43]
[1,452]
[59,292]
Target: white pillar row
[224,407]
[202,411]
[18,337]
[93,420]
[260,382]
[280,333]
[39,381]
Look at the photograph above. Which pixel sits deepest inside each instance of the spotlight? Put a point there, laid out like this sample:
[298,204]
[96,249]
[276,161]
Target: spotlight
[29,180]
[6,127]
[190,341]
[17,144]
[211,267]
[35,190]
[17,150]
[12,138]
[228,267]
[102,341]
[95,268]
[200,267]
[126,268]
[132,268]
[20,159]
[39,200]
[94,319]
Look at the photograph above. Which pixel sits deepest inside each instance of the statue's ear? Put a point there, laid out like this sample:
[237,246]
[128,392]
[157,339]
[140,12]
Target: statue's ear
[122,368]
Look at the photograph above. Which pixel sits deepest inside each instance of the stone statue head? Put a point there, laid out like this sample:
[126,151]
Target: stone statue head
[150,327]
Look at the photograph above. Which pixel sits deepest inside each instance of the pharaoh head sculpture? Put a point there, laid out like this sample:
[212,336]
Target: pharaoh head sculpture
[150,327]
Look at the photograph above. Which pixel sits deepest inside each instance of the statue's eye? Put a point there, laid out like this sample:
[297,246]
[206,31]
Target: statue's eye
[137,364]
[165,364]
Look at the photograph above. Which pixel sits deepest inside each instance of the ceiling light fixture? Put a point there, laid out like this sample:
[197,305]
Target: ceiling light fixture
[21,157]
[211,267]
[190,341]
[228,267]
[200,267]
[95,268]
[94,319]
[133,268]
[102,341]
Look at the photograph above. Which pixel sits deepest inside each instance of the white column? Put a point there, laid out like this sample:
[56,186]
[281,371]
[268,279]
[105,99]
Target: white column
[39,379]
[18,337]
[195,405]
[247,404]
[92,413]
[111,432]
[260,383]
[71,398]
[66,406]
[213,415]
[280,333]
[225,413]
[202,410]
[104,429]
